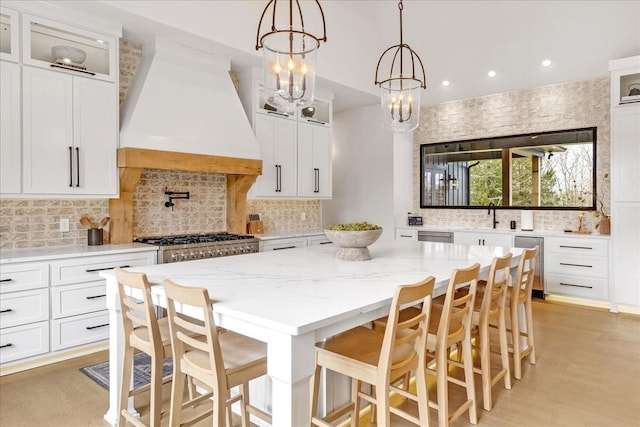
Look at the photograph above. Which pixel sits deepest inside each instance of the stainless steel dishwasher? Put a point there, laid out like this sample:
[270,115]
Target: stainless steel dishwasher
[435,236]
[532,242]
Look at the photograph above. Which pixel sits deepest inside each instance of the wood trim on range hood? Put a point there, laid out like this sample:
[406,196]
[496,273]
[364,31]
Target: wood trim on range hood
[241,174]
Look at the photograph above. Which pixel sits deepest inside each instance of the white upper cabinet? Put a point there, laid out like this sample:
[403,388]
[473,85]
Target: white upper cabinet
[314,161]
[10,139]
[54,45]
[69,134]
[9,35]
[304,170]
[276,136]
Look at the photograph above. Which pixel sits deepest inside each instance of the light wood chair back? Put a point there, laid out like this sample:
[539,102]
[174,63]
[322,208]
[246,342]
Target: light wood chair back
[489,310]
[453,328]
[216,358]
[520,301]
[380,360]
[143,332]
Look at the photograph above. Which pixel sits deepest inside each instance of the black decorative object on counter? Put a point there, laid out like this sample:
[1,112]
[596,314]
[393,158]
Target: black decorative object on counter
[94,236]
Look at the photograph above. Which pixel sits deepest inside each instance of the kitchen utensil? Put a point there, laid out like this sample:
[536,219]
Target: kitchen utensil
[86,222]
[94,237]
[104,221]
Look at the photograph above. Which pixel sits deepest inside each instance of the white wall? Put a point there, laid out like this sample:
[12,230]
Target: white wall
[363,183]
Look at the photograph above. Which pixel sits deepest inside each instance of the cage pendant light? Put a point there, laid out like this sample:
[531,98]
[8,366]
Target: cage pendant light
[401,89]
[289,54]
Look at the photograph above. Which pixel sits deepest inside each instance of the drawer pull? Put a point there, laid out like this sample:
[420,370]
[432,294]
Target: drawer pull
[576,265]
[6,345]
[6,311]
[284,247]
[6,280]
[575,247]
[326,243]
[576,286]
[406,235]
[88,328]
[93,270]
[96,296]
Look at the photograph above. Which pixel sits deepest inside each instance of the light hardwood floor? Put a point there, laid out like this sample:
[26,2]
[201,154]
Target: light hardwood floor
[588,374]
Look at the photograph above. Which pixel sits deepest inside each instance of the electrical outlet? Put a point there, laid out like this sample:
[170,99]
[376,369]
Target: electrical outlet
[64,225]
[303,217]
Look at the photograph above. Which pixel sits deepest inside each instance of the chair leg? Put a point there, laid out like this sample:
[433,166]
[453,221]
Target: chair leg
[504,350]
[485,368]
[382,404]
[244,401]
[423,396]
[442,386]
[468,378]
[515,343]
[315,387]
[127,367]
[156,391]
[530,340]
[177,391]
[355,399]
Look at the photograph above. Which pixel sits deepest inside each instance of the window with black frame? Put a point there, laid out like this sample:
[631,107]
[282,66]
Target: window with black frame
[547,170]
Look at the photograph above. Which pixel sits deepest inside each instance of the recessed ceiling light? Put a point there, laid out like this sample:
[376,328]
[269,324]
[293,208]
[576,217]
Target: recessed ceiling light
[546,62]
[491,73]
[445,83]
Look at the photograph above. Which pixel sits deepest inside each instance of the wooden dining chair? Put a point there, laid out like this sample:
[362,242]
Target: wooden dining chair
[519,299]
[142,332]
[489,309]
[370,357]
[451,327]
[217,359]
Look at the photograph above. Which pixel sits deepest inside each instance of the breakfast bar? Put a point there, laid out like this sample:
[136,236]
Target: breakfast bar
[292,299]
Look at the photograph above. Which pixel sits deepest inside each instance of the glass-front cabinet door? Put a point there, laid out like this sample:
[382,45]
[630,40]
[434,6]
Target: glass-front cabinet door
[57,46]
[9,38]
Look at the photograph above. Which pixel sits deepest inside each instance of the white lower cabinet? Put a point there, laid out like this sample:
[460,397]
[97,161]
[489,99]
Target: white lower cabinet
[24,341]
[283,243]
[406,234]
[78,330]
[482,238]
[58,303]
[577,266]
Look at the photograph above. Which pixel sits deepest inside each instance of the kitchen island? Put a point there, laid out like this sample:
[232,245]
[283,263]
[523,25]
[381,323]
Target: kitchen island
[295,298]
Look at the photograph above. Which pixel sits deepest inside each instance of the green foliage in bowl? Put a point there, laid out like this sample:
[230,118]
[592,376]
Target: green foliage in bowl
[354,226]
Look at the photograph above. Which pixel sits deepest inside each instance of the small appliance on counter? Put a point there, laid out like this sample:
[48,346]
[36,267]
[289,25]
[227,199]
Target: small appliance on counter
[414,220]
[255,226]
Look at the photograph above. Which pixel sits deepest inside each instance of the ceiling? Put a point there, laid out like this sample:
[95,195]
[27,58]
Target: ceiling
[459,41]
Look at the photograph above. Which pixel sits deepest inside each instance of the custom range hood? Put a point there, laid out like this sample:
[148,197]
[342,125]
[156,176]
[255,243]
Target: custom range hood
[182,112]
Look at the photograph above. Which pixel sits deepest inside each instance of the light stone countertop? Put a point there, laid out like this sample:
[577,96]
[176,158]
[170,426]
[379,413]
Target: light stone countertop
[72,251]
[501,231]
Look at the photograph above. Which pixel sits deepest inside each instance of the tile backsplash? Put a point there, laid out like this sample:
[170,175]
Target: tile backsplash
[569,105]
[29,223]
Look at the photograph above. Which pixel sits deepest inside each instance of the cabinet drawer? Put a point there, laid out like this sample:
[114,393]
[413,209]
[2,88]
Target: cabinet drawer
[86,269]
[318,240]
[23,276]
[581,286]
[579,265]
[24,341]
[577,246]
[279,244]
[19,308]
[83,298]
[78,330]
[405,234]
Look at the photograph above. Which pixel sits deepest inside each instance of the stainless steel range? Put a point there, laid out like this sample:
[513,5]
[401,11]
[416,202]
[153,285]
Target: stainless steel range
[200,246]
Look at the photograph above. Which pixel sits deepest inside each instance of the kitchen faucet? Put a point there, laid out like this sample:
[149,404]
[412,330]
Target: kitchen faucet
[493,205]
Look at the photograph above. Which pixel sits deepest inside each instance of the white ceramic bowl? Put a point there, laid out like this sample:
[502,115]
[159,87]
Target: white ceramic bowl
[353,244]
[68,54]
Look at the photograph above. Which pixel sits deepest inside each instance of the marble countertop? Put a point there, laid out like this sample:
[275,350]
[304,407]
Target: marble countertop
[72,251]
[501,231]
[316,288]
